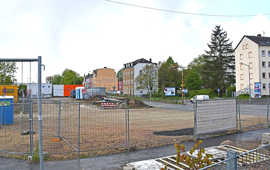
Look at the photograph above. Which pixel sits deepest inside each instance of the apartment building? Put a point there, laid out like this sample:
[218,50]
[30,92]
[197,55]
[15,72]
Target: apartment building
[252,65]
[131,71]
[103,77]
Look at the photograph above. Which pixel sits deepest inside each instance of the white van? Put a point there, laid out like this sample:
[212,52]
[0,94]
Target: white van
[199,98]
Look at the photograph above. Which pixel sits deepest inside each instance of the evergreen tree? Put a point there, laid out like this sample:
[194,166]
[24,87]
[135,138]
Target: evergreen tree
[219,67]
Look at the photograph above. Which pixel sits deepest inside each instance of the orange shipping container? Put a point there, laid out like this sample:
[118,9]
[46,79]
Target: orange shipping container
[69,88]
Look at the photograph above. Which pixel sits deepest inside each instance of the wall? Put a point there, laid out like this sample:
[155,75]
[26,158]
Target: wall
[247,52]
[105,77]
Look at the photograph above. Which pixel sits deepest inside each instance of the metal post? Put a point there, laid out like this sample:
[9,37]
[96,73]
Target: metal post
[232,160]
[195,119]
[236,108]
[31,129]
[40,115]
[239,116]
[59,120]
[79,134]
[267,116]
[128,128]
[249,82]
[182,86]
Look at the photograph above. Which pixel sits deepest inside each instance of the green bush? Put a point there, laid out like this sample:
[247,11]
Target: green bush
[243,96]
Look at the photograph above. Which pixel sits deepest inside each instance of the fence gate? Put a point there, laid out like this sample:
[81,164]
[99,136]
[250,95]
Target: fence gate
[16,124]
[214,116]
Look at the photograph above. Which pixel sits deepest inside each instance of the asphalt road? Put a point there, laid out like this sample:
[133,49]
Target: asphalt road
[116,161]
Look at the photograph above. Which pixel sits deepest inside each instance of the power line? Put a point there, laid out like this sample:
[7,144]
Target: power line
[181,12]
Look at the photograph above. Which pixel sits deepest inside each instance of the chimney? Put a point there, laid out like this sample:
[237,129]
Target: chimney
[150,60]
[259,35]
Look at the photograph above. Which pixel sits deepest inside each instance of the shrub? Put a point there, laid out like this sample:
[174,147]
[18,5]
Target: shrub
[243,96]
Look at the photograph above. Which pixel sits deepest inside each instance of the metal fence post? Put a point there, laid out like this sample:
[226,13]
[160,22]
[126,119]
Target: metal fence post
[31,129]
[267,116]
[79,134]
[239,115]
[127,127]
[41,166]
[195,107]
[59,120]
[232,160]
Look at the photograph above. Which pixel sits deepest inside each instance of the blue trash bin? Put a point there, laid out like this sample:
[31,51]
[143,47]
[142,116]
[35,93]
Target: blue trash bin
[6,110]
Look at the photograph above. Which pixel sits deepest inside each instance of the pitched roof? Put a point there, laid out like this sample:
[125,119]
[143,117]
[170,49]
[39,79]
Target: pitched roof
[141,60]
[262,41]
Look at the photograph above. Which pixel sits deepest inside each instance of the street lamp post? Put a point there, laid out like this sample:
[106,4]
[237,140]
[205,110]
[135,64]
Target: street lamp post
[248,78]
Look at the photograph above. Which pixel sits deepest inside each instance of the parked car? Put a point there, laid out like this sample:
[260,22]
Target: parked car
[199,98]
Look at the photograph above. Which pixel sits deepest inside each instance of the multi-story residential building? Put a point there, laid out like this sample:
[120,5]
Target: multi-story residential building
[103,77]
[252,62]
[131,71]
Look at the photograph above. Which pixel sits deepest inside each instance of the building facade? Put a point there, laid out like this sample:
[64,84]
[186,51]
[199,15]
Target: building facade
[131,71]
[103,77]
[252,64]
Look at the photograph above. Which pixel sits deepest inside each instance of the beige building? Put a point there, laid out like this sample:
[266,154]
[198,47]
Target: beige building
[104,77]
[252,64]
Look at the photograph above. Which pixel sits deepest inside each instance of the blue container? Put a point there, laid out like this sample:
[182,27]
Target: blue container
[6,110]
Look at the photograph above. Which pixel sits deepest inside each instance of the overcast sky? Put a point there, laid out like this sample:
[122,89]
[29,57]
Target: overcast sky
[88,34]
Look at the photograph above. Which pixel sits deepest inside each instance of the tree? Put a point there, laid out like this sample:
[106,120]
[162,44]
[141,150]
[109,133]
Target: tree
[67,77]
[71,77]
[192,80]
[56,79]
[219,68]
[147,79]
[168,74]
[7,72]
[120,75]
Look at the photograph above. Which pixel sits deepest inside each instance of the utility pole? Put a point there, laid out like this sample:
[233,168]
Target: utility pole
[183,85]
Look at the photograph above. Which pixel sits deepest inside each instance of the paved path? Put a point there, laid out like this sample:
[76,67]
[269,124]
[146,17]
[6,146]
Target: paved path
[116,161]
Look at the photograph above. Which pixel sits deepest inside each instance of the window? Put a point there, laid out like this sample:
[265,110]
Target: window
[263,53]
[263,64]
[268,53]
[241,56]
[263,86]
[241,76]
[263,75]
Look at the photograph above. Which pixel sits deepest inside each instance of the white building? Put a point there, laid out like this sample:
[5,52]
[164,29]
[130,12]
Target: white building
[252,64]
[131,71]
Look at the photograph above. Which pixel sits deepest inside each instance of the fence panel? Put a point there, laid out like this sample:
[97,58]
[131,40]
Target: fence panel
[214,116]
[15,134]
[253,113]
[103,131]
[156,127]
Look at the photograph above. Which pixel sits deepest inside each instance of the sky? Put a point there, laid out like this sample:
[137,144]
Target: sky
[84,35]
